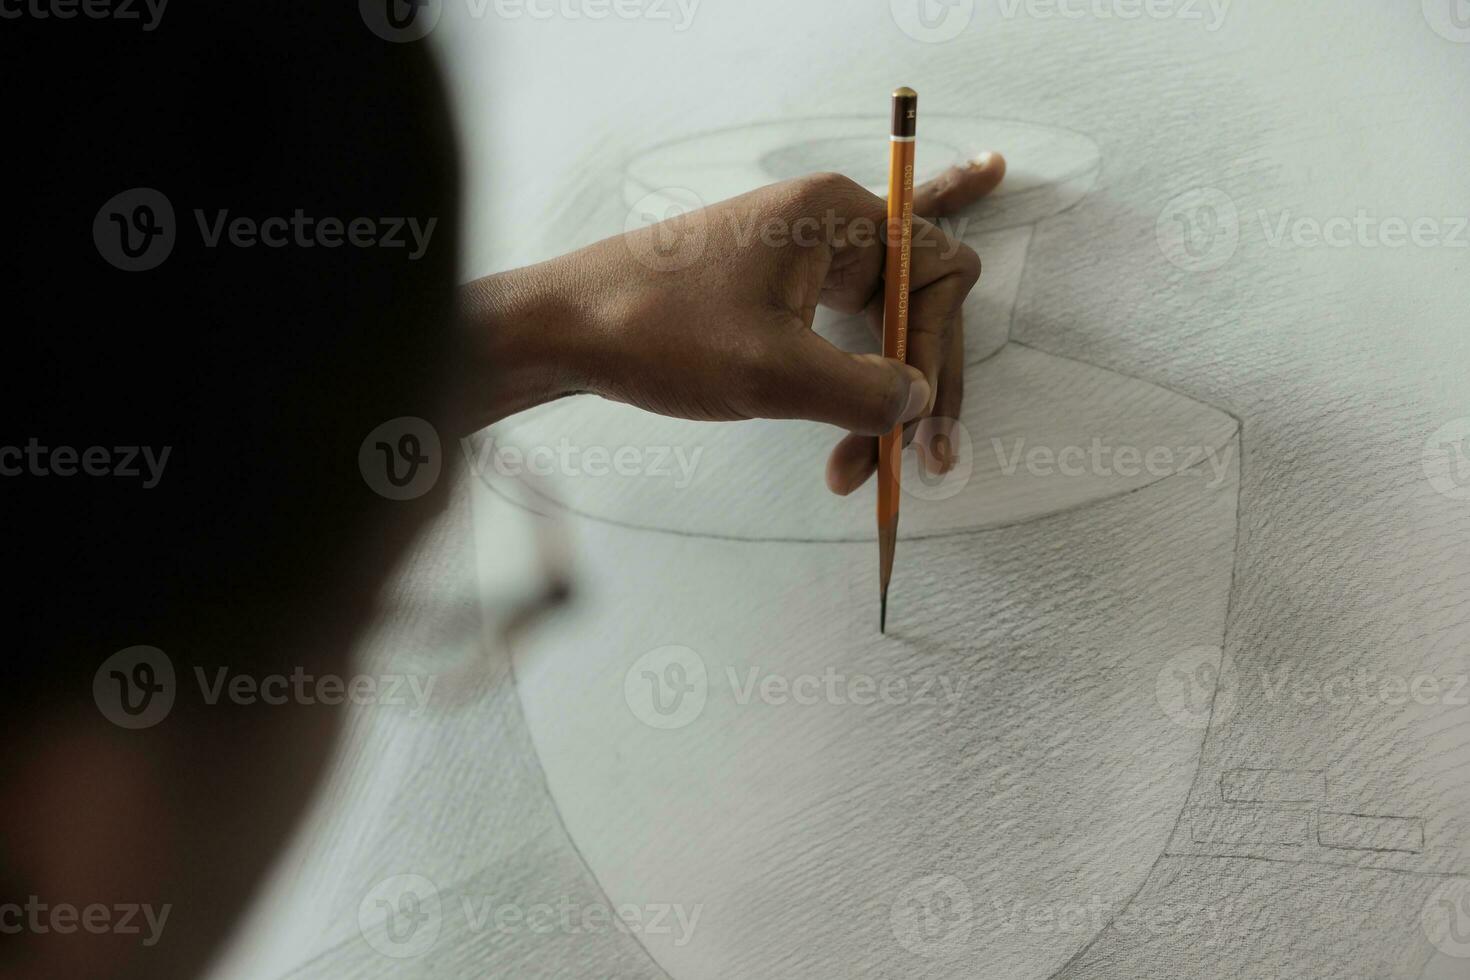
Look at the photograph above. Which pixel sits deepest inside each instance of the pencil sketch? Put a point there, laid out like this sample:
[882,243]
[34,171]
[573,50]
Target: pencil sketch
[1196,718]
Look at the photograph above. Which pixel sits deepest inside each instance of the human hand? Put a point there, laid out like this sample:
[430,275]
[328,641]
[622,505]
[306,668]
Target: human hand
[708,316]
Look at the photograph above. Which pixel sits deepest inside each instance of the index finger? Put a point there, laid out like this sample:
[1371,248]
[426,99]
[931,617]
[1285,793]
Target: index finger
[960,186]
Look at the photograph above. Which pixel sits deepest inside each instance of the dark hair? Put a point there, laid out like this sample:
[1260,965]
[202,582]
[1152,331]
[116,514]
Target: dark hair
[258,368]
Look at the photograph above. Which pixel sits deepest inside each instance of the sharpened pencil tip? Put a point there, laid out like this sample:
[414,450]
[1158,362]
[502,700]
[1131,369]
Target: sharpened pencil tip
[883,612]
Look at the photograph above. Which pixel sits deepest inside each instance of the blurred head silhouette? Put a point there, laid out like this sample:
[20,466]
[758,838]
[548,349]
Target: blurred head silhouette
[214,293]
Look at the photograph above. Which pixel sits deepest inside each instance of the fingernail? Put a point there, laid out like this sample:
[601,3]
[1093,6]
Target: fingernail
[982,161]
[943,453]
[918,399]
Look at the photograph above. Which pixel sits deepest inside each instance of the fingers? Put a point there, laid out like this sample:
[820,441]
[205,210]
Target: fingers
[944,272]
[854,459]
[934,440]
[853,391]
[863,393]
[959,187]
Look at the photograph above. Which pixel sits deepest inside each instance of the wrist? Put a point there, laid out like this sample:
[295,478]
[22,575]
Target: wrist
[528,339]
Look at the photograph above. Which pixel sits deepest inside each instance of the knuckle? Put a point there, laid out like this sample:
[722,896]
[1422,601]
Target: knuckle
[827,186]
[967,261]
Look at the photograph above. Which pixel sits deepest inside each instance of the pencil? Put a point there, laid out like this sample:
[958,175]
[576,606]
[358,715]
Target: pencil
[895,321]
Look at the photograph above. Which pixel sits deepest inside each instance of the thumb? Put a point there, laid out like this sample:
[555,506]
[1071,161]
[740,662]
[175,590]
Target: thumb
[865,393]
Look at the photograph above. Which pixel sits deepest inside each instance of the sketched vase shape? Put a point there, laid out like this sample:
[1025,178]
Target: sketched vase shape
[1016,752]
